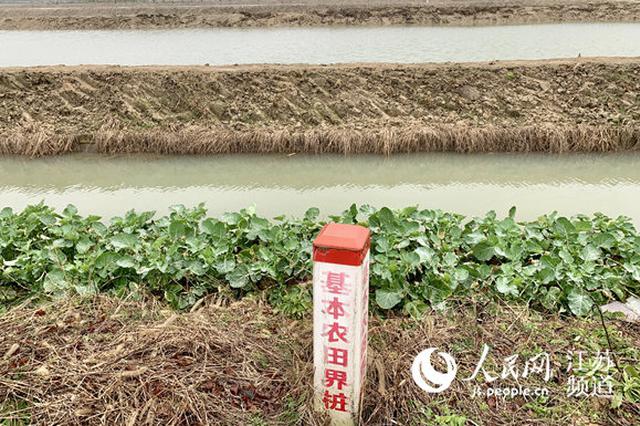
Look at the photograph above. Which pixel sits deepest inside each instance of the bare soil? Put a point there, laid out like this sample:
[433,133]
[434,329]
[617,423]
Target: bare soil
[238,13]
[563,105]
[109,361]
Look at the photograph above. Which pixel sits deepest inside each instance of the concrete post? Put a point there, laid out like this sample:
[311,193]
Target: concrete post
[340,320]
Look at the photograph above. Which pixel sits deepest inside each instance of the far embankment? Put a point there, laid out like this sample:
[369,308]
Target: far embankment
[268,13]
[579,105]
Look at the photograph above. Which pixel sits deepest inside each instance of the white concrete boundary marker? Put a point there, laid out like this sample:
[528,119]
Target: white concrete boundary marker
[340,320]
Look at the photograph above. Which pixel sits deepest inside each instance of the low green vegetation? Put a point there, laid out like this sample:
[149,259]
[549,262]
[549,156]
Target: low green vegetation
[420,258]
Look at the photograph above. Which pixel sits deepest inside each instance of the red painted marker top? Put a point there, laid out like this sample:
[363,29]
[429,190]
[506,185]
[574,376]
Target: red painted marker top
[341,244]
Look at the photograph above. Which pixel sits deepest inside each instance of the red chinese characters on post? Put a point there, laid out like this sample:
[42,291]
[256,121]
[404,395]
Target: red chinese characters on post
[336,402]
[337,331]
[335,308]
[335,378]
[336,283]
[337,356]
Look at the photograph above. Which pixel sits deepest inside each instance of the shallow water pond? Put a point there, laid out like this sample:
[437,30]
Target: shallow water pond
[403,44]
[469,184]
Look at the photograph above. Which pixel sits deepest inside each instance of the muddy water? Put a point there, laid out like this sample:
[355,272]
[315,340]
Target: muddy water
[469,184]
[318,45]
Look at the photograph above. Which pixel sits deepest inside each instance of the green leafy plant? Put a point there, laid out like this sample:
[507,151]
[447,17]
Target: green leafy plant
[419,258]
[628,387]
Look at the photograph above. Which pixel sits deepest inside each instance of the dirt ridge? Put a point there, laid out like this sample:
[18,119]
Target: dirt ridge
[306,13]
[568,105]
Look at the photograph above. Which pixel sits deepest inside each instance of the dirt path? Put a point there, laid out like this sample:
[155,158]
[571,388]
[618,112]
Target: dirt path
[563,105]
[238,13]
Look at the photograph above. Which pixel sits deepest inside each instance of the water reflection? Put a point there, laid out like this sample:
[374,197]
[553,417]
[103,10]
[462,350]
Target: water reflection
[225,46]
[469,184]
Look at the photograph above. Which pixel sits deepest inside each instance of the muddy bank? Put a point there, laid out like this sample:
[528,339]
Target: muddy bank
[551,106]
[307,13]
[109,361]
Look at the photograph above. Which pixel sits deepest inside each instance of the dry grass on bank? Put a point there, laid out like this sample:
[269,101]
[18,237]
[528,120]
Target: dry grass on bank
[107,361]
[36,142]
[552,139]
[126,363]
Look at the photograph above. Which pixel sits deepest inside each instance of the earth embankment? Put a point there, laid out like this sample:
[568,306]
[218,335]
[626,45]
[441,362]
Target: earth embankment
[237,13]
[551,106]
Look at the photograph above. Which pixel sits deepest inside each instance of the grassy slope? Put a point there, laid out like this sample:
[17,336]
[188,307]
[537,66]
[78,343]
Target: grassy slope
[245,364]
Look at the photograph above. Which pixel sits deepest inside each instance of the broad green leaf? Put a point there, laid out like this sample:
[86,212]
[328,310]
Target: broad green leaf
[214,228]
[590,253]
[387,299]
[196,267]
[99,228]
[506,286]
[6,212]
[565,256]
[551,298]
[225,266]
[312,214]
[449,260]
[382,245]
[564,226]
[425,254]
[55,282]
[231,218]
[604,240]
[123,241]
[106,260]
[47,219]
[483,251]
[546,275]
[386,216]
[415,308]
[579,302]
[418,257]
[437,290]
[474,238]
[83,245]
[460,274]
[177,229]
[411,259]
[126,262]
[239,277]
[70,210]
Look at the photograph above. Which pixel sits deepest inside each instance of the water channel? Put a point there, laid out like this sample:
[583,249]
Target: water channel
[319,45]
[469,184]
